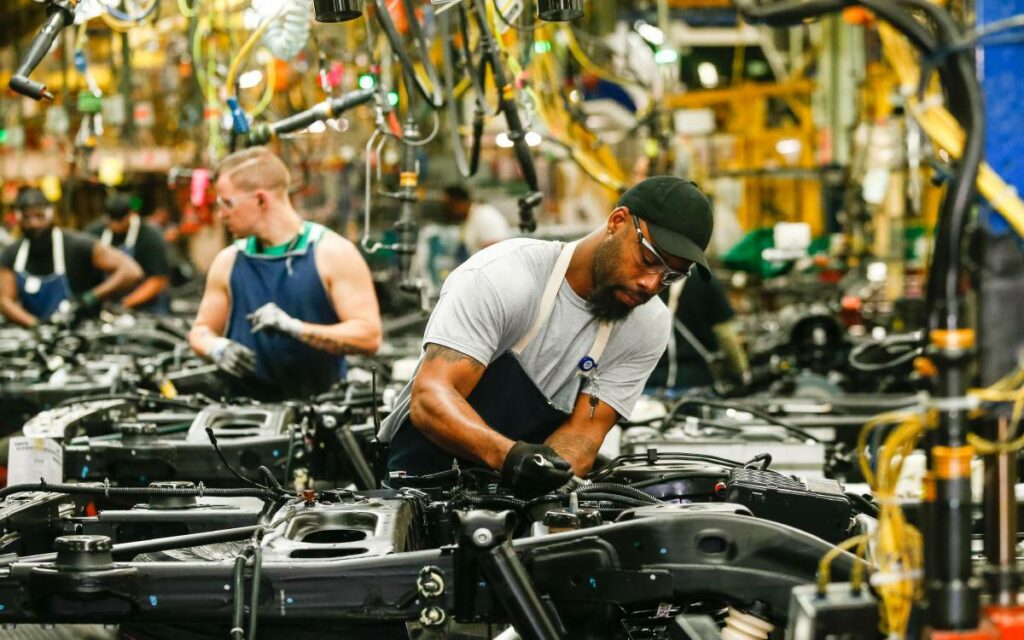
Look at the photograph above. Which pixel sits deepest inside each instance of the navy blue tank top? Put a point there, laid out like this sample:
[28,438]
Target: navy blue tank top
[286,368]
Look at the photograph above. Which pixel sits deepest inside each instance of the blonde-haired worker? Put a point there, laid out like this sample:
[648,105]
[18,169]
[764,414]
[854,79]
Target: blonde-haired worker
[286,301]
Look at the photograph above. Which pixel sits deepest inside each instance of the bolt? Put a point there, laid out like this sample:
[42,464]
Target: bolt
[432,616]
[483,537]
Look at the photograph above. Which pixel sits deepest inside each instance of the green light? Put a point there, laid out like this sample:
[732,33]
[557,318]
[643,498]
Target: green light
[392,98]
[541,46]
[366,81]
[666,56]
[3,136]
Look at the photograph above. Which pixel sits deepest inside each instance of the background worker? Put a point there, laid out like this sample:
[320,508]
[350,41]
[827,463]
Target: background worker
[124,229]
[53,269]
[287,301]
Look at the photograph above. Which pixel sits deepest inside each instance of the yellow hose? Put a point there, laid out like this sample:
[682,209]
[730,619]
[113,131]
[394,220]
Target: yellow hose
[825,565]
[243,54]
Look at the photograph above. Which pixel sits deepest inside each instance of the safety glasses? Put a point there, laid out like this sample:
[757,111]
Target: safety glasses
[658,265]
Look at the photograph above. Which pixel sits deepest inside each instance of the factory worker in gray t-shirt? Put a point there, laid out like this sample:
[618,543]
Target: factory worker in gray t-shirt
[536,348]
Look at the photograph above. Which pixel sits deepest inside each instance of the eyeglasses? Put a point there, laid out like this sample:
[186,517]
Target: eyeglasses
[668,274]
[230,203]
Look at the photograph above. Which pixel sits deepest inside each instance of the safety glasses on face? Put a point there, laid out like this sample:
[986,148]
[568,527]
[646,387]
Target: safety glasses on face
[230,203]
[658,265]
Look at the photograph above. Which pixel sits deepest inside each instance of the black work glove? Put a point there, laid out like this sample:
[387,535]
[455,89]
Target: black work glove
[233,358]
[532,470]
[73,311]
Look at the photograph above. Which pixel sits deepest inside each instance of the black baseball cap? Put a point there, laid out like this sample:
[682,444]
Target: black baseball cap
[678,215]
[118,205]
[30,198]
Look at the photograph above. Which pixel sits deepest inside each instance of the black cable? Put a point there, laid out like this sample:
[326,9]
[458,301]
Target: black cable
[467,166]
[854,358]
[866,506]
[373,401]
[739,407]
[227,465]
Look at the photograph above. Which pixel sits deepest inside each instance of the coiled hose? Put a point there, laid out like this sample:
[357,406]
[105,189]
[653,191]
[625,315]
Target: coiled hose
[287,36]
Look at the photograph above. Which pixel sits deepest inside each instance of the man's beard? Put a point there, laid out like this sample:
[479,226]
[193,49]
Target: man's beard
[602,302]
[37,235]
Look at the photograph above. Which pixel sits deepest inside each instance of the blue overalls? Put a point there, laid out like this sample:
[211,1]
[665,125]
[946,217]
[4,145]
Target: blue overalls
[286,368]
[41,295]
[505,396]
[161,304]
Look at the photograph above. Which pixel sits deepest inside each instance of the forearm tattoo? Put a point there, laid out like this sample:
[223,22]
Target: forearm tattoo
[437,352]
[326,343]
[574,448]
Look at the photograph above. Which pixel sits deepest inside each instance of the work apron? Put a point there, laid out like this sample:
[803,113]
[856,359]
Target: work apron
[41,295]
[286,368]
[505,397]
[161,304]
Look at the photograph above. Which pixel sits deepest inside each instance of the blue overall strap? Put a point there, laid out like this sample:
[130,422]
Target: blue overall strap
[130,239]
[292,281]
[41,295]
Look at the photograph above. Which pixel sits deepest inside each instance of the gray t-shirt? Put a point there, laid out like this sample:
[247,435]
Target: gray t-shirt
[490,302]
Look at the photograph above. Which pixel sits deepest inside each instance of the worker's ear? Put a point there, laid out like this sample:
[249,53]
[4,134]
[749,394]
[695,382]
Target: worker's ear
[618,218]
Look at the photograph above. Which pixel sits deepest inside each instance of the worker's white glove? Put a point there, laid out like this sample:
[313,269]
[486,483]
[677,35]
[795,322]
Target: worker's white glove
[233,358]
[271,316]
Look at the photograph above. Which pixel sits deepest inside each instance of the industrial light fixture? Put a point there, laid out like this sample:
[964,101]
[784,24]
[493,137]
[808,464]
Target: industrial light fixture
[666,56]
[788,147]
[707,72]
[559,10]
[650,33]
[250,79]
[337,10]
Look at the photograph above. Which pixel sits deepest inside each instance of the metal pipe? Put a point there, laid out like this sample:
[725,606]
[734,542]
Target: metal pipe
[1000,517]
[127,550]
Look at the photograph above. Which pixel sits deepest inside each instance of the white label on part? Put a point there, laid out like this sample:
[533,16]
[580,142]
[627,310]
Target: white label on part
[30,459]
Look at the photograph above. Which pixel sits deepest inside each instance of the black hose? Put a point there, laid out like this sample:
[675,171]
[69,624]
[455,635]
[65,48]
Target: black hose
[621,489]
[966,105]
[619,499]
[254,602]
[501,501]
[238,605]
[788,14]
[92,490]
[436,100]
[672,477]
